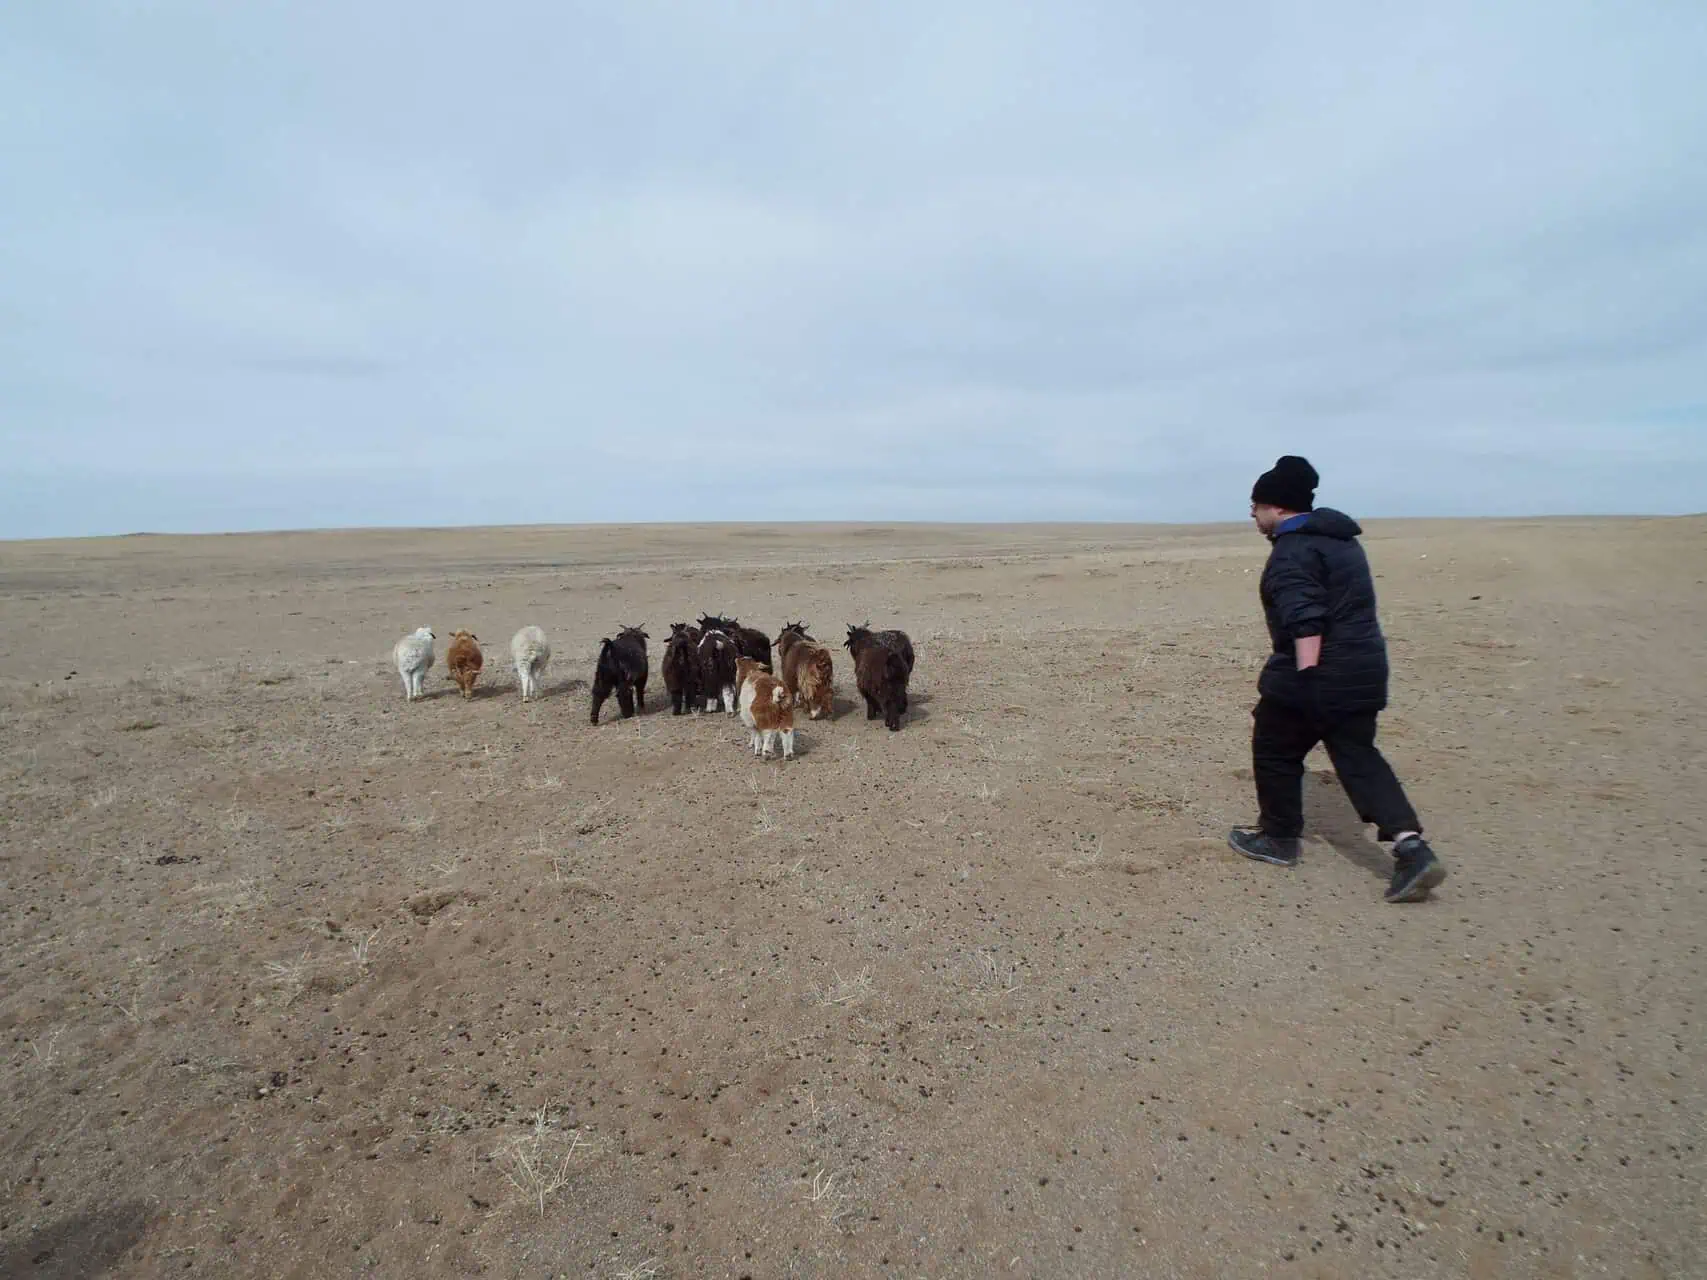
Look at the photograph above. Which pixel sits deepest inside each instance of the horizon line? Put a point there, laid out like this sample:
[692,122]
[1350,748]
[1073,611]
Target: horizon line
[285,531]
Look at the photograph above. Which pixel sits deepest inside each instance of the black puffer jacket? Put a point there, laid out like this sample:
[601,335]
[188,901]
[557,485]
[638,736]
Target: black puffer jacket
[1317,583]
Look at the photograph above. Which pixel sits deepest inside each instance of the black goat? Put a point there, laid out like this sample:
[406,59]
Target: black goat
[622,670]
[883,664]
[681,667]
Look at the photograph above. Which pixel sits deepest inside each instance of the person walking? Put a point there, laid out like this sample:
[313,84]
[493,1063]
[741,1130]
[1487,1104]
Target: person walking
[1326,681]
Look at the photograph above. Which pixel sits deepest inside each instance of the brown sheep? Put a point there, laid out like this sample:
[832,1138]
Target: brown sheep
[464,660]
[808,671]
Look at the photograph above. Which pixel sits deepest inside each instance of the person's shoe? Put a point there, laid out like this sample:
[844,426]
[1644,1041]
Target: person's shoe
[1415,870]
[1277,850]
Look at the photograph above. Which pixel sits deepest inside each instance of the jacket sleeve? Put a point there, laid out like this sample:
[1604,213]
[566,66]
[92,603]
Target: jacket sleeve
[1298,584]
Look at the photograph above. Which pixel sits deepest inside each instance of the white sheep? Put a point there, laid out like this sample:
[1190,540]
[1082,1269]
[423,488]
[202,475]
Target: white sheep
[414,655]
[531,651]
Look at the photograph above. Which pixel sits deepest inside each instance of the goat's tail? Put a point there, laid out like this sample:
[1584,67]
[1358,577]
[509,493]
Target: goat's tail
[779,696]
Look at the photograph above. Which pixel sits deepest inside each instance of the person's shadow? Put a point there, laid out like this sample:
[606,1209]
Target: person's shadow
[1328,814]
[82,1245]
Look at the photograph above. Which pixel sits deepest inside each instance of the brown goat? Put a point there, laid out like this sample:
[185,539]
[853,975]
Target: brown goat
[808,671]
[766,708]
[465,660]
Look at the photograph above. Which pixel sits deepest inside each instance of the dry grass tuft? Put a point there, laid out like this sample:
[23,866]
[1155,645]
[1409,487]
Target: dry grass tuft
[132,1010]
[991,975]
[46,1054]
[534,1166]
[235,819]
[845,990]
[593,817]
[418,823]
[824,1196]
[1084,859]
[359,951]
[290,976]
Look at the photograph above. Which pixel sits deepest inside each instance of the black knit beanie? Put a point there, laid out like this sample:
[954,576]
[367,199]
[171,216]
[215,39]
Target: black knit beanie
[1291,485]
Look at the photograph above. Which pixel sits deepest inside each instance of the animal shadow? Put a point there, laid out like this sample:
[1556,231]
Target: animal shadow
[1328,814]
[567,687]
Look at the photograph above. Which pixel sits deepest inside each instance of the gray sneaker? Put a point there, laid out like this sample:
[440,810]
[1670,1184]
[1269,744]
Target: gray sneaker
[1415,870]
[1277,850]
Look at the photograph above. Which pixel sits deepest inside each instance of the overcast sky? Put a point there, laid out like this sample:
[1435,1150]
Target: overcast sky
[271,265]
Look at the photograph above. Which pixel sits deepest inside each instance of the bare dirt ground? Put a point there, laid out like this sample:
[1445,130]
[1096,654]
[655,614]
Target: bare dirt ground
[302,980]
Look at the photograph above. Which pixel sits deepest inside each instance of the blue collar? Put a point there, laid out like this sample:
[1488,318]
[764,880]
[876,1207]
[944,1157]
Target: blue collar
[1291,523]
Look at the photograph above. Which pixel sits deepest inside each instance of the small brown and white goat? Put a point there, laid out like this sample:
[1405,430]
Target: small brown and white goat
[808,672]
[464,660]
[766,708]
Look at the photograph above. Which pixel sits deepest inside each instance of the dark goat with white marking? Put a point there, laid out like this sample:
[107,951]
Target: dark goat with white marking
[748,642]
[717,657]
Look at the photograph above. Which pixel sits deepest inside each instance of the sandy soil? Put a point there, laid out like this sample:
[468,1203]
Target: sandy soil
[302,980]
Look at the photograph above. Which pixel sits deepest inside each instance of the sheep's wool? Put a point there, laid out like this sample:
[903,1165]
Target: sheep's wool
[414,652]
[529,649]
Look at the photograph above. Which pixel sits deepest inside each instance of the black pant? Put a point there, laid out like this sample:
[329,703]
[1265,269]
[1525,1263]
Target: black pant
[1284,735]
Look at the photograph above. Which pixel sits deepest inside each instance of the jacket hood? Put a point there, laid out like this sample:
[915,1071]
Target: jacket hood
[1327,523]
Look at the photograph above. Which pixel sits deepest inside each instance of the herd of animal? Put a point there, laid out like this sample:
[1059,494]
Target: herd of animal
[716,662]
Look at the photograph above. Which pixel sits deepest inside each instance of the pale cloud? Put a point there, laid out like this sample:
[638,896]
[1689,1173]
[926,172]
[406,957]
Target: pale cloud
[272,265]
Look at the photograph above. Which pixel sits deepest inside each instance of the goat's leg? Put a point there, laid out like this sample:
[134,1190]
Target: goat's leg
[788,744]
[871,711]
[640,693]
[625,700]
